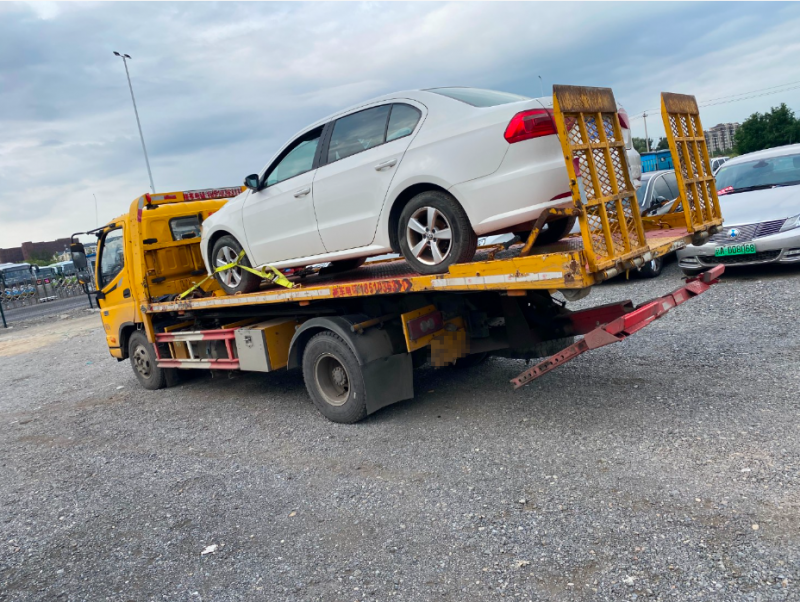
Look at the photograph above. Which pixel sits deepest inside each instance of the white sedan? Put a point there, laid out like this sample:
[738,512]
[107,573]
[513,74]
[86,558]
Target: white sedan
[422,173]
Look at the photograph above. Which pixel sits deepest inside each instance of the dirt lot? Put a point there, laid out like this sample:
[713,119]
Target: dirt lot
[665,467]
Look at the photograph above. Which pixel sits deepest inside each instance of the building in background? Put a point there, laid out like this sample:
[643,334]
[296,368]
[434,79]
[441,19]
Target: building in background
[34,250]
[720,137]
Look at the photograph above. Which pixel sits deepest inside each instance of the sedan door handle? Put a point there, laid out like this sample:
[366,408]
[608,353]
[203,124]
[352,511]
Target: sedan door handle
[302,192]
[385,164]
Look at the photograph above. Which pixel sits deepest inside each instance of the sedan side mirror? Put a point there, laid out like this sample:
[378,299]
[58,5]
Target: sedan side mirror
[251,182]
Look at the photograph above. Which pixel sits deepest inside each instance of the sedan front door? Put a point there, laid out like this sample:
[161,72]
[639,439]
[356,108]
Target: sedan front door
[279,219]
[350,186]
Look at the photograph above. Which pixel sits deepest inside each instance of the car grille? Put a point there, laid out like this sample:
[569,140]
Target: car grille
[734,259]
[748,232]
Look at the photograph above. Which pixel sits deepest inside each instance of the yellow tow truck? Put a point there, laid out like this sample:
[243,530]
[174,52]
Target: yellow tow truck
[357,336]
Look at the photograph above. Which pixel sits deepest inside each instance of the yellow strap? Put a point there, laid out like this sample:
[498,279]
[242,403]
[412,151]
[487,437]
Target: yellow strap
[273,275]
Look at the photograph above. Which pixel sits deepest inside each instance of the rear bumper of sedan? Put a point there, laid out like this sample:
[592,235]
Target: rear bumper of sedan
[783,247]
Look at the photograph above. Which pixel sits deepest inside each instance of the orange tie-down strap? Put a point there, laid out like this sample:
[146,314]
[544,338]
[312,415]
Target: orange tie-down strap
[621,327]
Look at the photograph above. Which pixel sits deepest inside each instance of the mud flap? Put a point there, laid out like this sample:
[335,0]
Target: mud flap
[388,380]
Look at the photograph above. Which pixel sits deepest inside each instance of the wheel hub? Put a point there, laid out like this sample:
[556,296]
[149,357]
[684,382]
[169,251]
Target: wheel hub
[232,276]
[332,380]
[141,360]
[429,236]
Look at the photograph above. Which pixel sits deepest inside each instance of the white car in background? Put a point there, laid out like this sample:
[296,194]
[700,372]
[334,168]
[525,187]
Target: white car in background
[422,173]
[759,194]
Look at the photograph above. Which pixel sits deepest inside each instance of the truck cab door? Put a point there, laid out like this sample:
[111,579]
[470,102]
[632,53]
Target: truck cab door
[114,286]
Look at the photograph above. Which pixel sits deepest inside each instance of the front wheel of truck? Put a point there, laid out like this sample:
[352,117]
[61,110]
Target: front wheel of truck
[143,362]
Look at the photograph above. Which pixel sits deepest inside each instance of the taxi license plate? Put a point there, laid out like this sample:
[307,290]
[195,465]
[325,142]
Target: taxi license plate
[745,249]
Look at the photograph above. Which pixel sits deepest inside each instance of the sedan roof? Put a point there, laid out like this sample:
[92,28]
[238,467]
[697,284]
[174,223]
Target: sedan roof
[778,151]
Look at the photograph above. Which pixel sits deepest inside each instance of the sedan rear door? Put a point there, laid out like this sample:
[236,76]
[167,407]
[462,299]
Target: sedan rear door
[359,160]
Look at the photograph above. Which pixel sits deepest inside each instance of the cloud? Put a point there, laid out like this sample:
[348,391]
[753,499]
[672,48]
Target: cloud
[221,86]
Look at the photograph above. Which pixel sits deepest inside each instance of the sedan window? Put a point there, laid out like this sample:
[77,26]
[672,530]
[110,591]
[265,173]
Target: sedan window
[358,132]
[672,183]
[660,188]
[761,173]
[297,158]
[478,97]
[402,121]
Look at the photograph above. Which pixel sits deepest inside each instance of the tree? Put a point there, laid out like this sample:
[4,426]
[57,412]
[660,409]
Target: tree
[641,145]
[776,128]
[663,144]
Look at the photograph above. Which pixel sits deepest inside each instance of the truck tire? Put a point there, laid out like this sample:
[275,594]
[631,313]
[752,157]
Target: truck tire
[652,269]
[235,280]
[434,233]
[143,362]
[333,378]
[551,232]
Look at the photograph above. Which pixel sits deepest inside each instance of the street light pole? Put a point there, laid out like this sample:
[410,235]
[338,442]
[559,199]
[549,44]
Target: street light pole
[646,139]
[541,85]
[138,123]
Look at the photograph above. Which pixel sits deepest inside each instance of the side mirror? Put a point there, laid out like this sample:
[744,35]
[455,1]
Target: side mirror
[78,256]
[251,182]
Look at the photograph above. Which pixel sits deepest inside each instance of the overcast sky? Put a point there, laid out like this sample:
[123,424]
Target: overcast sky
[220,86]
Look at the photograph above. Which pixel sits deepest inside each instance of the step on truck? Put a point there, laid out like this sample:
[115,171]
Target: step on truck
[357,336]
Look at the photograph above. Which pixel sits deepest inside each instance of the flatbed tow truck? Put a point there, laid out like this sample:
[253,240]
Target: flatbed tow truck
[358,335]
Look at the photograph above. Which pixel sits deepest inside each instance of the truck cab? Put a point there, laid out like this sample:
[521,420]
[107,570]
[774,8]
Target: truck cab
[164,231]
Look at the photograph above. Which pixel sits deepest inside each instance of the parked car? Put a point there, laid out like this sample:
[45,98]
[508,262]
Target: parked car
[716,163]
[759,194]
[422,173]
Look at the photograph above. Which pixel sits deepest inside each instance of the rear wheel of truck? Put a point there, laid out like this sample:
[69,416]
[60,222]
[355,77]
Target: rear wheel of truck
[233,280]
[333,378]
[143,362]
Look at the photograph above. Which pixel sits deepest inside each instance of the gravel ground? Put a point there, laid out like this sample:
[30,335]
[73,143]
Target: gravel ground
[664,467]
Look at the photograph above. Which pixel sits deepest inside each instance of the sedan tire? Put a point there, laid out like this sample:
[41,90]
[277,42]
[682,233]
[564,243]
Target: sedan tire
[434,233]
[233,280]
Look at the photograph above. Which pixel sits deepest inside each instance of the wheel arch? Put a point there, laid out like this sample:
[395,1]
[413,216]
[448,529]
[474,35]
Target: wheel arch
[371,345]
[212,240]
[402,200]
[125,332]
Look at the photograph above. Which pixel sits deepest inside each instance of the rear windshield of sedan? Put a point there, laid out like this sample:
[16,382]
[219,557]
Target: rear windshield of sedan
[479,98]
[774,171]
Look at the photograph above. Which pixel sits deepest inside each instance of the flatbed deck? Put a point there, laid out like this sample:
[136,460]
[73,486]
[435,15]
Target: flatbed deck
[562,265]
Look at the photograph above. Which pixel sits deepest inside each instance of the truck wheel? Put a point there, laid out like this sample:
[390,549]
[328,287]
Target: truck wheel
[651,269]
[551,232]
[434,233]
[333,378]
[233,280]
[143,362]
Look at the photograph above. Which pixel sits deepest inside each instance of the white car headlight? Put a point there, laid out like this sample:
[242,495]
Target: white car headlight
[792,222]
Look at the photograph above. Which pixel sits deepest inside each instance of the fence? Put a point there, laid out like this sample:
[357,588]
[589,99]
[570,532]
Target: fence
[33,292]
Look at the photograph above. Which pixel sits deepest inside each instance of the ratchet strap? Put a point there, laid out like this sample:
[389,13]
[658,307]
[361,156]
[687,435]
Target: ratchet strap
[268,273]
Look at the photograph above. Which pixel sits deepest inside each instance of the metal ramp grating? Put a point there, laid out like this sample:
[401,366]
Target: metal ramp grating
[687,144]
[597,164]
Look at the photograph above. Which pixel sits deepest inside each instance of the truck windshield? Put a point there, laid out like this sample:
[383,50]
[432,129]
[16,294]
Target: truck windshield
[112,258]
[763,173]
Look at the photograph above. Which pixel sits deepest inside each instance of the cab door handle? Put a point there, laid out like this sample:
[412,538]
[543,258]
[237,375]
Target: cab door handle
[385,164]
[126,293]
[302,192]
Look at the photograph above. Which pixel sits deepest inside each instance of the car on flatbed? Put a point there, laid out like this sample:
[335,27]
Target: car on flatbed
[422,173]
